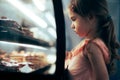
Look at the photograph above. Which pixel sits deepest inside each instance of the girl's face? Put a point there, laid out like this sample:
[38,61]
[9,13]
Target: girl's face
[81,25]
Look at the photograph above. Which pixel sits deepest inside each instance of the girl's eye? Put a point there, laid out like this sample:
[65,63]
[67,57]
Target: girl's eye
[73,18]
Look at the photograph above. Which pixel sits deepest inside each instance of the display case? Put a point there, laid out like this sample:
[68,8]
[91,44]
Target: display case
[32,39]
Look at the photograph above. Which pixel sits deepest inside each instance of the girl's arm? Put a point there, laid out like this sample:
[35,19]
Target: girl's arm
[97,62]
[68,55]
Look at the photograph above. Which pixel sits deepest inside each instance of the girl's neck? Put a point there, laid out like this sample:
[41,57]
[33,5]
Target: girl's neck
[92,34]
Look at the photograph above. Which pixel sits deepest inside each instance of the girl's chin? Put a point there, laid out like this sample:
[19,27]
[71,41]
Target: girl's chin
[81,35]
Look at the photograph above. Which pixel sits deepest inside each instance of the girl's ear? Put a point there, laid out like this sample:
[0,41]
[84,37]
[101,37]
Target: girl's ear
[91,18]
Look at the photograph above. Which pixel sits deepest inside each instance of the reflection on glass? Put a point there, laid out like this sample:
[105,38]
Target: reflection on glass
[27,36]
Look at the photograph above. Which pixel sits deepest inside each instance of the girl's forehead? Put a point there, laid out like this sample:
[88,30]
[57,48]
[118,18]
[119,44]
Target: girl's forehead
[71,13]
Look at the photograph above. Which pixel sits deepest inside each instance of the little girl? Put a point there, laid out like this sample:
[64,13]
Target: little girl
[93,57]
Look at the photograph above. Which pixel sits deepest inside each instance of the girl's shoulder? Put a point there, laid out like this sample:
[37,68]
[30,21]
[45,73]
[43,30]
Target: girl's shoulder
[97,41]
[92,45]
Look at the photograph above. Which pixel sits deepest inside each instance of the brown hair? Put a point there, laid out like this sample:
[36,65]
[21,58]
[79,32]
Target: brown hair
[105,27]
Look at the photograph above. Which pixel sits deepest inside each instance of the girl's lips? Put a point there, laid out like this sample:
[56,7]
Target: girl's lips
[75,31]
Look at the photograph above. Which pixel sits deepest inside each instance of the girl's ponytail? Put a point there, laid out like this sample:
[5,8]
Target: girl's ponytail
[107,34]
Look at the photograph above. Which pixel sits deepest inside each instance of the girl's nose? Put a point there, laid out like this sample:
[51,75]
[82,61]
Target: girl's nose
[72,26]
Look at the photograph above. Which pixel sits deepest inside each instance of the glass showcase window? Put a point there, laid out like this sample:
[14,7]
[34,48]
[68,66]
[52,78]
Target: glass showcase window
[27,36]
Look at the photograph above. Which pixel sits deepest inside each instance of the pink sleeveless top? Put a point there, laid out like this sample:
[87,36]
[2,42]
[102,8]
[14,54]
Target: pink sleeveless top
[79,65]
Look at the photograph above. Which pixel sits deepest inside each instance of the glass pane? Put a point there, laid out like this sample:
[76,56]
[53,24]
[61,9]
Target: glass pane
[27,36]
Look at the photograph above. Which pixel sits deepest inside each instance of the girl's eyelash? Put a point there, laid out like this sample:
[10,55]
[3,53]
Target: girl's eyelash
[73,19]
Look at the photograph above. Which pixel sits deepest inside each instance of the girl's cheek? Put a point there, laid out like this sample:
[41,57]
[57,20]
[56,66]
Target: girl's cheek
[82,32]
